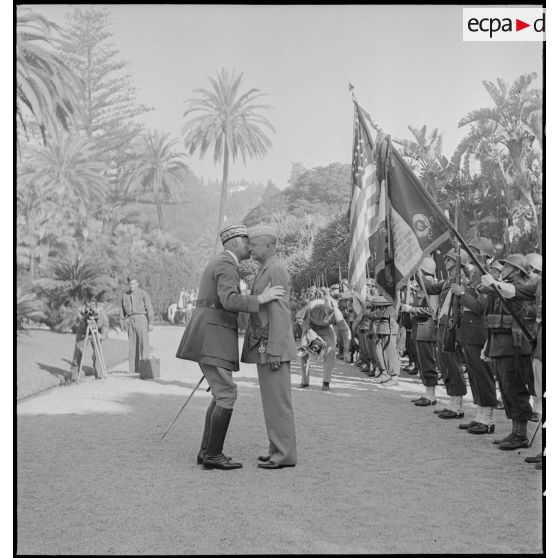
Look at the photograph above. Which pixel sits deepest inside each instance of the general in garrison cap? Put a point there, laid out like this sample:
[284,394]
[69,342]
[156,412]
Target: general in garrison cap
[232,231]
[263,230]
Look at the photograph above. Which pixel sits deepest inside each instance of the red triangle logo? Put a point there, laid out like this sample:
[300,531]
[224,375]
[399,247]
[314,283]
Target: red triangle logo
[519,25]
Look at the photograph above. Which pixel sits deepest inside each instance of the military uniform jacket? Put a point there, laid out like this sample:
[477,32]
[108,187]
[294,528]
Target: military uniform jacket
[472,328]
[504,336]
[270,328]
[423,327]
[441,288]
[384,320]
[211,336]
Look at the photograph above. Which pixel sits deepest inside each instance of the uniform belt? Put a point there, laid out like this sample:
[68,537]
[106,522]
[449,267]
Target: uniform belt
[209,304]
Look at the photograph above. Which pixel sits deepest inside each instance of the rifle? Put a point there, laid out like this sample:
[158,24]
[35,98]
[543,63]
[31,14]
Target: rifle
[453,314]
[453,317]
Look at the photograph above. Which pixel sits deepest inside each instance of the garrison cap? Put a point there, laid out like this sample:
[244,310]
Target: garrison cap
[263,230]
[232,231]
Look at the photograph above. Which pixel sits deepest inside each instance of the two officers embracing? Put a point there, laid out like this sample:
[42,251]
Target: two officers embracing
[211,340]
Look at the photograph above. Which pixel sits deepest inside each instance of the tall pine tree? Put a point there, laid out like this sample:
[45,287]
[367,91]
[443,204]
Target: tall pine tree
[108,98]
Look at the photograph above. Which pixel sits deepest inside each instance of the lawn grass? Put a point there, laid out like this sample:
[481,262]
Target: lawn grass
[44,359]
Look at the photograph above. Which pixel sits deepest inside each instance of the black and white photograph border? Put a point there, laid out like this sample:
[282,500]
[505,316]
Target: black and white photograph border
[374,474]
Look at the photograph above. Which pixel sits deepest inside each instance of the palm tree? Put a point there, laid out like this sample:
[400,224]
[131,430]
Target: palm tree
[229,121]
[44,84]
[159,170]
[69,168]
[508,135]
[66,283]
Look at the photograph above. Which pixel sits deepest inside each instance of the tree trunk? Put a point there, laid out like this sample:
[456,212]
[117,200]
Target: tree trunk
[156,191]
[223,202]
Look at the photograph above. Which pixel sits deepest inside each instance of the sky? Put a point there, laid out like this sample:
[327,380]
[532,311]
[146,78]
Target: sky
[408,64]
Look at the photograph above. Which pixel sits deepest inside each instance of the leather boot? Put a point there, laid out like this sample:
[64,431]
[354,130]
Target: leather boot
[520,439]
[214,458]
[206,430]
[509,436]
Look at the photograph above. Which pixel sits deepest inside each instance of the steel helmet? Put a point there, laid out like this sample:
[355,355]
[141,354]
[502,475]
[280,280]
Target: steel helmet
[453,256]
[535,261]
[428,265]
[483,245]
[496,265]
[518,261]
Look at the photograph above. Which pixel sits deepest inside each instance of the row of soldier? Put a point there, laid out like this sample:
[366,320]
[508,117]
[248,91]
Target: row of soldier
[446,327]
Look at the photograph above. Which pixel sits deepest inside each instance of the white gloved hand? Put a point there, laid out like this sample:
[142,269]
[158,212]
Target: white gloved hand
[487,280]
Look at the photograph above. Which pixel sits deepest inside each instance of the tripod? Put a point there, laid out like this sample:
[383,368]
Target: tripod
[97,349]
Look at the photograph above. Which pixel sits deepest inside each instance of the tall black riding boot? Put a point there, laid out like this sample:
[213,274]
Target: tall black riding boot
[214,458]
[206,430]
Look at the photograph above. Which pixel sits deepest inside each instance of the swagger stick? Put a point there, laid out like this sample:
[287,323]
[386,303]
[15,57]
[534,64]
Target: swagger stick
[535,432]
[182,408]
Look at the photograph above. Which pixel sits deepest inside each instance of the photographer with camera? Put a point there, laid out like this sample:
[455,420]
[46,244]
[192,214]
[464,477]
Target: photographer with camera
[90,315]
[318,336]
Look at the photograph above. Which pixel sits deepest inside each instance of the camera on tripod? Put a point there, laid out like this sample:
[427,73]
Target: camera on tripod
[89,313]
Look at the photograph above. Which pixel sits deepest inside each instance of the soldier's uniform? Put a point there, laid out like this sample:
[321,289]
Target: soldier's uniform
[320,317]
[423,333]
[385,329]
[471,335]
[269,334]
[510,352]
[450,368]
[137,310]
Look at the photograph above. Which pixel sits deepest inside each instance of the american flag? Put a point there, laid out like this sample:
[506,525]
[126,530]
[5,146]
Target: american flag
[363,205]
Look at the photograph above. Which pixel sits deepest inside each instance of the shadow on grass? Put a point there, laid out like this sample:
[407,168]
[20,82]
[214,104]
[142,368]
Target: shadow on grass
[161,381]
[62,373]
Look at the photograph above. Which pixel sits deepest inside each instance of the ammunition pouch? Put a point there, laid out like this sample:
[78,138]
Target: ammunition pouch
[499,321]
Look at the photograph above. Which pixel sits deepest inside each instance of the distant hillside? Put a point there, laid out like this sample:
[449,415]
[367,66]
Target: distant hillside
[322,190]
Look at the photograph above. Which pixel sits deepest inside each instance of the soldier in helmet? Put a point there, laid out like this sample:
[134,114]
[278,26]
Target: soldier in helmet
[495,268]
[534,263]
[508,348]
[482,247]
[450,368]
[423,332]
[471,335]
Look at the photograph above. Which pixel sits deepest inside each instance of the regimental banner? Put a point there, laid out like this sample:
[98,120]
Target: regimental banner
[416,225]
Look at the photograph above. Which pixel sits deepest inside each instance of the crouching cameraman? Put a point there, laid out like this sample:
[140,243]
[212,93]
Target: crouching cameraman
[317,327]
[91,313]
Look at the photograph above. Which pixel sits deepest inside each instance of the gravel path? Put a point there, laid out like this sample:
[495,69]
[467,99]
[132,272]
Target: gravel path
[375,474]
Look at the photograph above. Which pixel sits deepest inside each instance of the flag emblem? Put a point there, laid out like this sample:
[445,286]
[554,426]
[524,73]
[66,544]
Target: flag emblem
[421,225]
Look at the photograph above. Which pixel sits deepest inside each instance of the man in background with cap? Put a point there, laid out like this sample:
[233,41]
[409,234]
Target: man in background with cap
[269,342]
[211,339]
[136,313]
